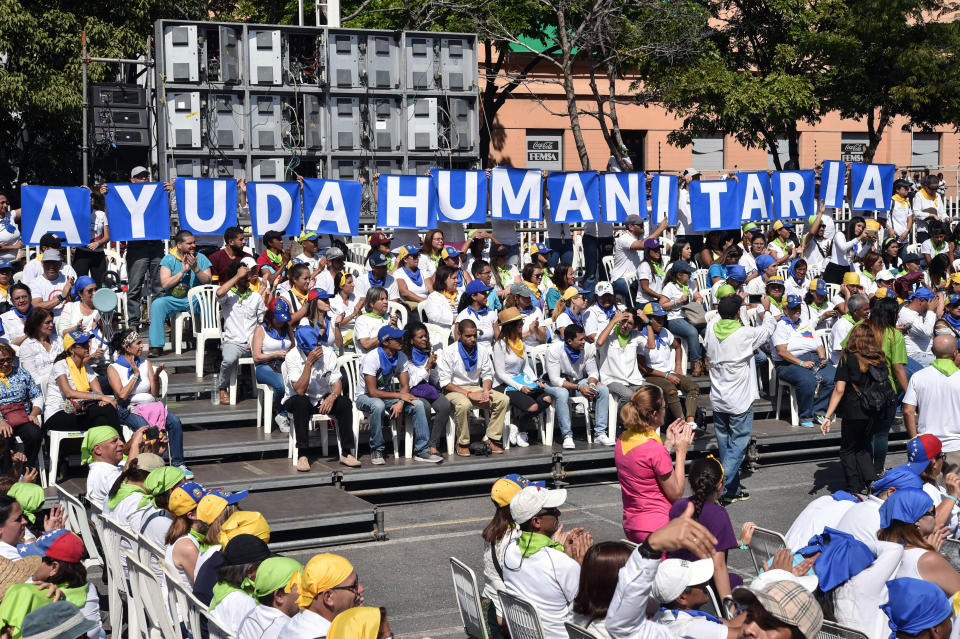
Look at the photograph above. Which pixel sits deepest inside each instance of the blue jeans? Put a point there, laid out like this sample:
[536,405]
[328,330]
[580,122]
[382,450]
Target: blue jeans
[622,289]
[273,379]
[911,367]
[881,437]
[173,426]
[685,330]
[594,248]
[376,408]
[562,252]
[561,399]
[809,401]
[733,437]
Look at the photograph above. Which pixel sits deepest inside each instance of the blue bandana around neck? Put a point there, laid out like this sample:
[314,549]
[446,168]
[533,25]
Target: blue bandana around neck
[275,334]
[122,360]
[375,282]
[459,278]
[23,316]
[842,556]
[572,354]
[469,359]
[483,311]
[387,363]
[786,320]
[527,311]
[577,319]
[609,312]
[693,613]
[842,495]
[415,277]
[658,341]
[418,357]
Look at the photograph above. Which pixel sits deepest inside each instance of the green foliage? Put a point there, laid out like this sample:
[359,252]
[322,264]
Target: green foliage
[40,78]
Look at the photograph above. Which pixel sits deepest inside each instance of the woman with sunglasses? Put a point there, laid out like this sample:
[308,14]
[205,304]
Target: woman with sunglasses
[74,400]
[81,315]
[14,320]
[908,518]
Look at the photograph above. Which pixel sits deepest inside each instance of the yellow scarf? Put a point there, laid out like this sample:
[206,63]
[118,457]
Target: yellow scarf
[901,200]
[302,298]
[3,378]
[923,194]
[533,287]
[451,297]
[631,438]
[176,253]
[79,376]
[516,345]
[3,290]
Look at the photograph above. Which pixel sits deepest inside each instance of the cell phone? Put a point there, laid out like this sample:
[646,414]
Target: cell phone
[152,433]
[754,299]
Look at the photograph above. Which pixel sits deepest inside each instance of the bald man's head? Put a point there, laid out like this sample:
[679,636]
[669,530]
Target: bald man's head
[944,346]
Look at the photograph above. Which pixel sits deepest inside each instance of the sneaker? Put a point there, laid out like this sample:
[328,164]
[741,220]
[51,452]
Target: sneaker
[603,439]
[522,441]
[187,473]
[806,423]
[568,442]
[427,456]
[283,422]
[376,458]
[512,430]
[726,500]
[155,352]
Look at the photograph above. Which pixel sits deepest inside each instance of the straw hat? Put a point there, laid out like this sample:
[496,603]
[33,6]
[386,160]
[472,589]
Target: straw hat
[16,572]
[508,315]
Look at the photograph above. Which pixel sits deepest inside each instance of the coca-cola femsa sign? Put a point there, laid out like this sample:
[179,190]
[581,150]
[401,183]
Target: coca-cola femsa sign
[544,151]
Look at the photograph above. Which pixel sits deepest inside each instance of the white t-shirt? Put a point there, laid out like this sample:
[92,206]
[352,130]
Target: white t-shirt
[263,622]
[370,365]
[36,359]
[674,292]
[240,316]
[661,357]
[684,624]
[12,325]
[927,248]
[306,624]
[937,398]
[141,392]
[898,216]
[654,282]
[417,289]
[362,284]
[323,374]
[619,363]
[53,398]
[799,340]
[45,290]
[99,480]
[34,269]
[819,513]
[233,609]
[9,234]
[548,579]
[919,334]
[366,327]
[862,520]
[98,222]
[484,324]
[625,259]
[10,552]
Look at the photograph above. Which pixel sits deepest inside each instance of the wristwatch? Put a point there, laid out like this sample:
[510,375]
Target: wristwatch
[647,552]
[60,297]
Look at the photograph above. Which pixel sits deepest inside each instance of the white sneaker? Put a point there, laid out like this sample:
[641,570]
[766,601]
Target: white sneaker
[521,440]
[283,422]
[512,430]
[603,439]
[568,442]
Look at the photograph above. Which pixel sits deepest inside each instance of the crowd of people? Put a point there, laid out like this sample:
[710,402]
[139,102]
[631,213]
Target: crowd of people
[858,319]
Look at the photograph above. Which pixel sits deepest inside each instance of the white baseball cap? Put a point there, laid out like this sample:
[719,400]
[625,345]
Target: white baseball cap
[249,262]
[764,579]
[603,288]
[137,170]
[886,275]
[676,575]
[528,502]
[692,172]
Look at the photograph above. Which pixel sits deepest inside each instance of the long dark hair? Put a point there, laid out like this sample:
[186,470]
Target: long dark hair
[498,526]
[36,318]
[70,574]
[560,274]
[412,327]
[598,578]
[132,472]
[883,315]
[6,505]
[938,269]
[705,474]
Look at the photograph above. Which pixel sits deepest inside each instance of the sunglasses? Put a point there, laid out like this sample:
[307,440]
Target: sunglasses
[549,512]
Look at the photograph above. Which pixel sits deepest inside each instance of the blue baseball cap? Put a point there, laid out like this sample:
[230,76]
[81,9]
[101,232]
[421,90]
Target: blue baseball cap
[308,236]
[653,308]
[5,263]
[765,261]
[378,259]
[281,309]
[793,301]
[922,293]
[507,487]
[306,338]
[540,247]
[389,332]
[40,546]
[898,477]
[819,286]
[318,294]
[952,299]
[477,286]
[907,505]
[230,498]
[736,272]
[449,252]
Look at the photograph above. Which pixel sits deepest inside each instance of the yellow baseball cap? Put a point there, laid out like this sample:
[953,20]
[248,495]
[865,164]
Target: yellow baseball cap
[185,498]
[505,488]
[214,502]
[571,292]
[850,277]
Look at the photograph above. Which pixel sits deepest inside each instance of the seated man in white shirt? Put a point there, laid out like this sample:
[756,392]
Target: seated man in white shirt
[466,376]
[858,309]
[275,589]
[917,319]
[335,259]
[34,268]
[618,345]
[328,585]
[937,243]
[51,289]
[539,569]
[242,310]
[102,449]
[599,314]
[681,586]
[377,275]
[572,369]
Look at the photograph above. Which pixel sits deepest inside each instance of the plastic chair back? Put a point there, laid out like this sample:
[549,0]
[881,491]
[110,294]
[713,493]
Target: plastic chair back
[468,599]
[147,602]
[353,268]
[576,631]
[951,550]
[831,630]
[764,545]
[180,598]
[79,523]
[397,307]
[523,622]
[204,305]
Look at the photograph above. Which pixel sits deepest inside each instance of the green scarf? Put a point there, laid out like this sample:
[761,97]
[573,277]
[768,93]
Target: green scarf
[243,295]
[276,258]
[623,338]
[658,268]
[685,289]
[374,316]
[781,243]
[945,366]
[222,589]
[532,543]
[199,536]
[77,596]
[503,274]
[123,492]
[725,328]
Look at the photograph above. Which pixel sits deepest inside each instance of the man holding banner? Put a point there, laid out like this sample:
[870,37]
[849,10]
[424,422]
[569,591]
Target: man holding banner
[180,270]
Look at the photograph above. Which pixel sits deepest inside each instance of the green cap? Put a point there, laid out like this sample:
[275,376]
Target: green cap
[94,436]
[159,481]
[275,573]
[810,219]
[750,226]
[30,497]
[725,290]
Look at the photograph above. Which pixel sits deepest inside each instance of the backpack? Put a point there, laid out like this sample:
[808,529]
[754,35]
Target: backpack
[875,394]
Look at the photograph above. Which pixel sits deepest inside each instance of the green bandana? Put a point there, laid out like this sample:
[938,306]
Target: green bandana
[374,316]
[273,574]
[123,492]
[945,366]
[159,481]
[243,295]
[94,436]
[222,589]
[725,328]
[276,258]
[657,268]
[623,338]
[18,602]
[77,596]
[532,543]
[30,497]
[199,536]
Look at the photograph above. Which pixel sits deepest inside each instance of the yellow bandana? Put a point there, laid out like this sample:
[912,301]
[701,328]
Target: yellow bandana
[630,439]
[516,345]
[78,375]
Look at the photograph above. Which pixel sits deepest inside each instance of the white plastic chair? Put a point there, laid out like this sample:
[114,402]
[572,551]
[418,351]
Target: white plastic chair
[146,602]
[397,307]
[764,545]
[241,363]
[357,252]
[700,277]
[607,262]
[790,390]
[205,307]
[439,336]
[576,631]
[110,535]
[468,599]
[182,599]
[79,523]
[833,290]
[523,622]
[264,401]
[831,630]
[353,268]
[538,357]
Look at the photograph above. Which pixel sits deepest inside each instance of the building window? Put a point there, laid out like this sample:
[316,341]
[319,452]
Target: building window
[925,150]
[708,153]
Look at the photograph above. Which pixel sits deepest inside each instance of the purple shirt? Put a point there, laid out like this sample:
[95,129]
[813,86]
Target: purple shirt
[715,519]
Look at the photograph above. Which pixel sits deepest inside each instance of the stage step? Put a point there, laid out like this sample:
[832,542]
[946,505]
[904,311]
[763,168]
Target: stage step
[220,443]
[262,474]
